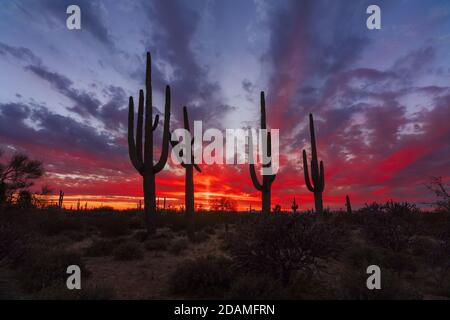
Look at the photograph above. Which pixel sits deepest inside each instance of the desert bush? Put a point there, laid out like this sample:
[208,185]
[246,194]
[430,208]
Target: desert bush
[43,268]
[281,245]
[100,248]
[178,246]
[391,231]
[128,251]
[208,276]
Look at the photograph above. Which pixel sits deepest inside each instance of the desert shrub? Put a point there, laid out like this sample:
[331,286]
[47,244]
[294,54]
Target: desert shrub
[281,245]
[256,287]
[352,286]
[128,251]
[43,268]
[178,246]
[100,248]
[391,231]
[208,276]
[160,244]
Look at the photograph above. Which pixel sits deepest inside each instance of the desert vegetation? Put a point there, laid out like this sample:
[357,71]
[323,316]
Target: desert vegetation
[234,255]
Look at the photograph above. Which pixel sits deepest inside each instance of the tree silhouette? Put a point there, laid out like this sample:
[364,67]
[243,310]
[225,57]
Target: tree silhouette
[17,175]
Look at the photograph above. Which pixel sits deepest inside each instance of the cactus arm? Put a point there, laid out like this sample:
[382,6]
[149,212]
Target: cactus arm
[139,126]
[305,170]
[138,165]
[166,135]
[155,123]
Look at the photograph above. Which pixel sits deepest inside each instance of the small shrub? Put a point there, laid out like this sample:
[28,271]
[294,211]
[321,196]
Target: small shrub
[208,276]
[281,245]
[128,251]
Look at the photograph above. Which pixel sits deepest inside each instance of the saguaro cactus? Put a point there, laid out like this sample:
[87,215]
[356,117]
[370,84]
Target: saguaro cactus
[294,206]
[267,180]
[317,173]
[61,199]
[348,204]
[143,162]
[189,179]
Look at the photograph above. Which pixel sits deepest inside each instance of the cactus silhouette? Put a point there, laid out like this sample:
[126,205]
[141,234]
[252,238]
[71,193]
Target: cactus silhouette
[348,204]
[189,179]
[294,206]
[61,199]
[267,180]
[317,172]
[143,162]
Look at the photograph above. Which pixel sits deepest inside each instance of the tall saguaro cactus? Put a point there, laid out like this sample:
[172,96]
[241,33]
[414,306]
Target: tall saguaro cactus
[143,162]
[267,180]
[189,180]
[317,172]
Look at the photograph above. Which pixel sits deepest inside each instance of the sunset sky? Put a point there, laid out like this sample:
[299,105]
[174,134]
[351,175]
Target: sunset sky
[380,98]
